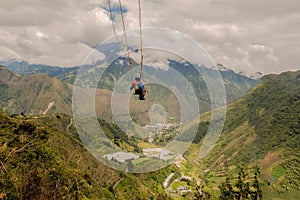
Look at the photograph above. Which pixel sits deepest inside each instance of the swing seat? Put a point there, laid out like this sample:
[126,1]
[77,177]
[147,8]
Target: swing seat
[140,93]
[137,92]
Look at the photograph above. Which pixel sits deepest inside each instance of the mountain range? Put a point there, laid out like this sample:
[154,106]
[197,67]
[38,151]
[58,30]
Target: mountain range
[40,149]
[43,158]
[33,94]
[261,129]
[235,85]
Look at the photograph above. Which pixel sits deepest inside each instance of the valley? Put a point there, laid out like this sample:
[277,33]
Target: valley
[259,144]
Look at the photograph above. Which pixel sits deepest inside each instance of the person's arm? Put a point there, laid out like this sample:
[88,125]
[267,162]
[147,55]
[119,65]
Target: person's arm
[132,85]
[141,85]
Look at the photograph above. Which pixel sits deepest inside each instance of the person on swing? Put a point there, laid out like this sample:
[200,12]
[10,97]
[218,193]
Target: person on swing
[139,88]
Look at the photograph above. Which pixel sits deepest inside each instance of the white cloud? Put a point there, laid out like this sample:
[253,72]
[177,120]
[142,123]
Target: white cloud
[245,35]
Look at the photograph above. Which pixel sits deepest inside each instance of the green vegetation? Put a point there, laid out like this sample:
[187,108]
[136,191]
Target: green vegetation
[33,94]
[41,159]
[245,186]
[176,184]
[144,186]
[33,91]
[278,171]
[261,129]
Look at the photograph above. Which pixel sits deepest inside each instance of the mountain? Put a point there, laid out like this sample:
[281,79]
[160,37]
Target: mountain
[221,67]
[33,94]
[37,94]
[43,153]
[25,68]
[236,85]
[257,75]
[261,129]
[43,158]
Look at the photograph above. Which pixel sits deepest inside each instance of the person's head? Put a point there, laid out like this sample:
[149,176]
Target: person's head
[137,79]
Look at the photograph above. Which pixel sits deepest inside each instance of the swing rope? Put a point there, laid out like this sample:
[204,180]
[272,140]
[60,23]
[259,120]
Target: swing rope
[141,40]
[112,21]
[125,36]
[126,40]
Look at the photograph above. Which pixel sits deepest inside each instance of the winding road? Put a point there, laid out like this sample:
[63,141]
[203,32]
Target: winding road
[116,184]
[69,125]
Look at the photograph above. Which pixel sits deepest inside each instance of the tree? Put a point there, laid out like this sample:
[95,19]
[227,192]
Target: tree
[243,187]
[201,193]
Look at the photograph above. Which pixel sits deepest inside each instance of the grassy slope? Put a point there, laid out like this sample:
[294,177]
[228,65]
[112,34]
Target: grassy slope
[261,129]
[42,159]
[236,85]
[31,94]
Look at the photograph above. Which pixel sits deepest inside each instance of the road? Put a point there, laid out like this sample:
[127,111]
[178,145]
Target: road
[71,121]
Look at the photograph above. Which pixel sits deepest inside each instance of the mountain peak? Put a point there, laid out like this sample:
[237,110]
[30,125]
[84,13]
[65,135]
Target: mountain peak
[256,76]
[7,76]
[4,69]
[221,67]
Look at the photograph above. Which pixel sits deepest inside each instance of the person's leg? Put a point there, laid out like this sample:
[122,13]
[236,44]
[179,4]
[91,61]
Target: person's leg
[140,93]
[141,97]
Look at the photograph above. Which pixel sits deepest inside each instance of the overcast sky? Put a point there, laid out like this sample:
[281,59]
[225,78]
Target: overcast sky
[244,35]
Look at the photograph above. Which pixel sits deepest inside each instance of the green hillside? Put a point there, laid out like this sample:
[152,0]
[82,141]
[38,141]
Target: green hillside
[43,151]
[33,94]
[236,85]
[39,94]
[43,158]
[261,129]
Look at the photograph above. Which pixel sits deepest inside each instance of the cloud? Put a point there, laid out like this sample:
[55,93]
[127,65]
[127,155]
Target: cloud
[51,32]
[247,36]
